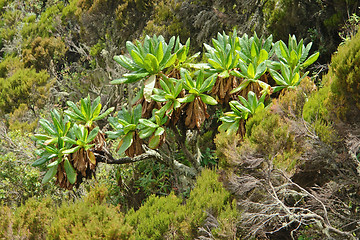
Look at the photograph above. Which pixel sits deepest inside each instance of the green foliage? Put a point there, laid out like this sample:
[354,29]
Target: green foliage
[295,54]
[165,21]
[89,219]
[241,111]
[88,112]
[345,73]
[92,218]
[197,88]
[269,133]
[44,26]
[32,219]
[162,217]
[318,111]
[171,88]
[287,79]
[152,129]
[156,217]
[223,57]
[53,146]
[66,141]
[20,181]
[19,120]
[125,125]
[254,54]
[147,59]
[5,221]
[43,52]
[21,85]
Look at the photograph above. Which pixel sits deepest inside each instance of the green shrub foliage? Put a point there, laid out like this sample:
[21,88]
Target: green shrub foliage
[345,72]
[19,84]
[92,218]
[166,217]
[89,219]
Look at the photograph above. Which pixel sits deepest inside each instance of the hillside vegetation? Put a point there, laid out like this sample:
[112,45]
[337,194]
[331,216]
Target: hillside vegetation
[162,119]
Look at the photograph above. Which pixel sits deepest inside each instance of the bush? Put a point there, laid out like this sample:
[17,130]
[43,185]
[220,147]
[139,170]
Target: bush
[5,222]
[318,112]
[166,217]
[18,181]
[43,51]
[21,85]
[89,219]
[32,219]
[344,74]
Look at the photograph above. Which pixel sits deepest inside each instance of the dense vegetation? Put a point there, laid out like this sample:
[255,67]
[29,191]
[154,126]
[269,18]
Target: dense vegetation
[132,125]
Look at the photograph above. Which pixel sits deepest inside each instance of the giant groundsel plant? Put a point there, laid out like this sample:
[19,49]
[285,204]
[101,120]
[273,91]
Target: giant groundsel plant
[180,99]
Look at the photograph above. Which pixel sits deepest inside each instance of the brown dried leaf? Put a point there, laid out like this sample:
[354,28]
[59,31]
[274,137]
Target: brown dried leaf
[91,157]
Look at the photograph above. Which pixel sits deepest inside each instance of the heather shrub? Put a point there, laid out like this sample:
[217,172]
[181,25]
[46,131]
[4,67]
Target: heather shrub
[43,52]
[167,218]
[345,72]
[19,84]
[32,219]
[20,181]
[91,218]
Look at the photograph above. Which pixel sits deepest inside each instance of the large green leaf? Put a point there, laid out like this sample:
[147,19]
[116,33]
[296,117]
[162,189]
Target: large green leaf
[311,60]
[46,157]
[93,134]
[149,86]
[148,123]
[151,64]
[126,142]
[126,62]
[70,171]
[107,112]
[49,174]
[47,126]
[154,142]
[208,99]
[138,59]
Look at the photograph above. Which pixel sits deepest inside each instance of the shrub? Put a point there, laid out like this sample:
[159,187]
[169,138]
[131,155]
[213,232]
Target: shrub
[156,217]
[166,217]
[20,181]
[5,222]
[45,26]
[21,119]
[269,133]
[43,51]
[318,111]
[344,73]
[32,219]
[89,219]
[21,85]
